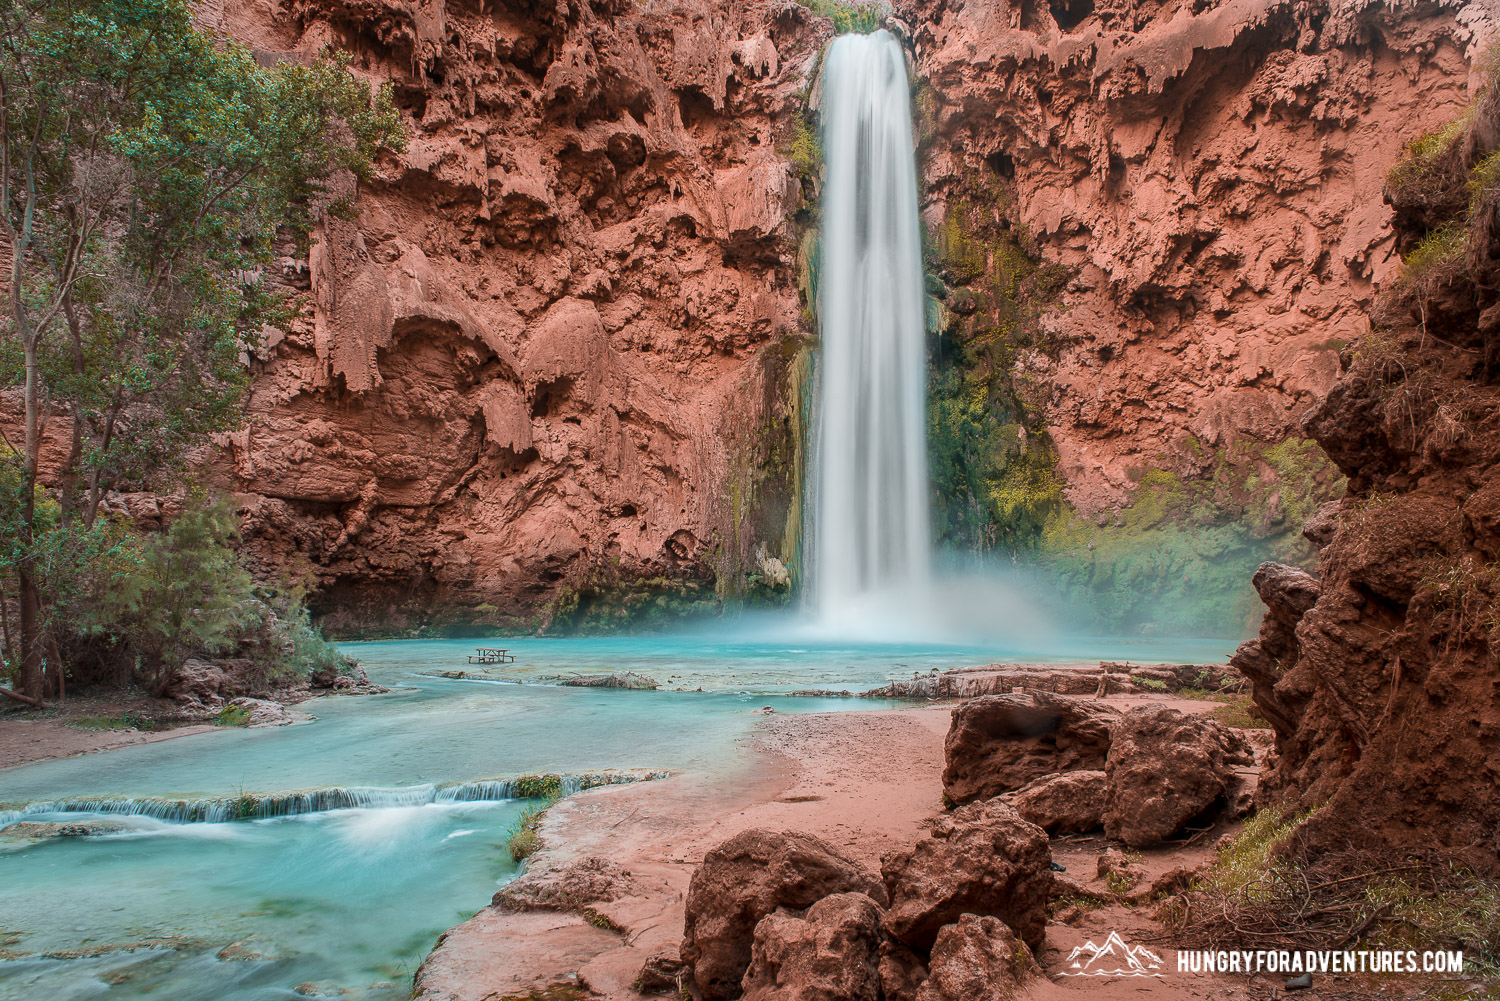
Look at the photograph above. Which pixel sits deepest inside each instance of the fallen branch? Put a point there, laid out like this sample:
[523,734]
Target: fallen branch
[34,703]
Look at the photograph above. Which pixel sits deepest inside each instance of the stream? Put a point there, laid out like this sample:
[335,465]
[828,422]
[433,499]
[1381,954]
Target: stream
[341,892]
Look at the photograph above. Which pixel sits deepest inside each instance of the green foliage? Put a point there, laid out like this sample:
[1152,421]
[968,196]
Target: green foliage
[149,173]
[547,787]
[232,716]
[1242,866]
[1176,559]
[803,147]
[848,17]
[1240,711]
[1461,910]
[992,467]
[124,721]
[185,592]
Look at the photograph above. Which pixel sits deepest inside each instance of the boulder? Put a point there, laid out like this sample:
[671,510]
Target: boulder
[981,859]
[1165,769]
[999,743]
[743,880]
[831,954]
[1064,803]
[978,956]
[263,713]
[197,681]
[565,885]
[901,971]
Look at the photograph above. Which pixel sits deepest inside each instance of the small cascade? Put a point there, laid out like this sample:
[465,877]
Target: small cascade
[872,565]
[222,810]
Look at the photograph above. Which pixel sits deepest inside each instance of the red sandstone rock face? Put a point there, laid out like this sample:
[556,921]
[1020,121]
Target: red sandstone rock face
[1211,172]
[560,333]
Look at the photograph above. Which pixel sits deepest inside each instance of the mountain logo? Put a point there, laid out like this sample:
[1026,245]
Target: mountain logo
[1115,958]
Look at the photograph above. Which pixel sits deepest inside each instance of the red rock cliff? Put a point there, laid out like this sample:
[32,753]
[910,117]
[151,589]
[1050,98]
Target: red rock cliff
[559,345]
[1209,172]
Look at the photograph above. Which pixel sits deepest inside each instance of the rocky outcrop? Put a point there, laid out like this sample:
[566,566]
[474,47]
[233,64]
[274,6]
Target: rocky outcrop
[1288,593]
[977,956]
[1065,803]
[999,743]
[1107,678]
[1167,768]
[830,954]
[748,878]
[981,859]
[562,327]
[261,712]
[628,680]
[1386,694]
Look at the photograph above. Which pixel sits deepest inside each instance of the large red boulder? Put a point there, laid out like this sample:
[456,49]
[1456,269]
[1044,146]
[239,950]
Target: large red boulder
[976,957]
[1166,768]
[747,878]
[980,859]
[998,743]
[1064,803]
[830,954]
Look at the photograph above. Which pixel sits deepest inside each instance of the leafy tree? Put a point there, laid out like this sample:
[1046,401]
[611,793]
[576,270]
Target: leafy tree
[146,171]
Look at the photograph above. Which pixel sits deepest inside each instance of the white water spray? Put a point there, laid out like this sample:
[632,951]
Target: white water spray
[872,548]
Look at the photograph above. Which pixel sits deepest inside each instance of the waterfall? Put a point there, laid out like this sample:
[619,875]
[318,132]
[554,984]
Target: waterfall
[872,549]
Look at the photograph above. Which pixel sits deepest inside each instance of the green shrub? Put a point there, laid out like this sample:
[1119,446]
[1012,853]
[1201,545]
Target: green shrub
[232,716]
[848,17]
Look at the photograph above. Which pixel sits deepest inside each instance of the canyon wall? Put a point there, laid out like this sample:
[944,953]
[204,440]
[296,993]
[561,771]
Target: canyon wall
[1159,223]
[1380,673]
[556,352]
[552,367]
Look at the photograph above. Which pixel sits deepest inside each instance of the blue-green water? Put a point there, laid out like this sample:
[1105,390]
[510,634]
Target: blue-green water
[349,900]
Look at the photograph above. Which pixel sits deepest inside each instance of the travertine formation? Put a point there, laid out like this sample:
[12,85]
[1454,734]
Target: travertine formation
[559,344]
[1210,173]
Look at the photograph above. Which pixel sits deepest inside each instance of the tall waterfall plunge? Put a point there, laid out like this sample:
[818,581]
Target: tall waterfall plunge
[871,537]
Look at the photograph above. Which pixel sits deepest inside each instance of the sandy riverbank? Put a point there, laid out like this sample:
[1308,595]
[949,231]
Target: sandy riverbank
[864,781]
[23,741]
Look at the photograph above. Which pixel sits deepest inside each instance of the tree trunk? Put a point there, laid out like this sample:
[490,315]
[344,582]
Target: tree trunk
[29,593]
[31,637]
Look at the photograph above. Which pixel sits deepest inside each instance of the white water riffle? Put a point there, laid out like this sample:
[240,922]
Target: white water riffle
[224,809]
[872,565]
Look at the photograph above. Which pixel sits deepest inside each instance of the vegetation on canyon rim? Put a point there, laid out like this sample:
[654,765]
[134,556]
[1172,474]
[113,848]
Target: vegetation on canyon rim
[146,172]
